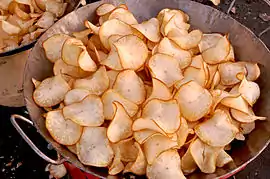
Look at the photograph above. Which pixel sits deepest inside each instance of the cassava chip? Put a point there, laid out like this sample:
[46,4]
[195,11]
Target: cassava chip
[253,70]
[165,68]
[245,117]
[128,150]
[146,124]
[182,132]
[63,130]
[109,97]
[223,158]
[51,91]
[132,52]
[123,15]
[53,46]
[112,75]
[150,29]
[86,63]
[94,29]
[88,112]
[217,131]
[193,100]
[166,165]
[142,135]
[10,28]
[96,83]
[235,102]
[94,148]
[165,113]
[209,41]
[120,127]
[104,9]
[188,165]
[155,145]
[75,96]
[250,91]
[71,51]
[130,86]
[117,165]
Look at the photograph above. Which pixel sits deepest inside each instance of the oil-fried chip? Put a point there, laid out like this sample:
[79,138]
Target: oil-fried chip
[112,75]
[150,29]
[128,150]
[75,96]
[57,8]
[209,41]
[182,132]
[137,167]
[193,100]
[53,46]
[217,131]
[113,27]
[155,145]
[175,23]
[10,28]
[244,117]
[130,86]
[95,29]
[223,158]
[123,15]
[142,135]
[51,91]
[247,128]
[63,130]
[109,97]
[104,9]
[204,155]
[250,91]
[165,68]
[165,113]
[117,165]
[83,35]
[85,62]
[188,165]
[218,53]
[72,148]
[35,82]
[132,52]
[235,102]
[120,127]
[94,148]
[253,70]
[166,165]
[96,83]
[168,47]
[88,112]
[146,124]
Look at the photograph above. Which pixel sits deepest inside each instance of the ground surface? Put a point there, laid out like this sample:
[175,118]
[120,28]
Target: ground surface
[18,161]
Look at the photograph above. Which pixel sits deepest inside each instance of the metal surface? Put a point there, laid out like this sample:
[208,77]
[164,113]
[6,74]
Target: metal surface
[247,47]
[29,142]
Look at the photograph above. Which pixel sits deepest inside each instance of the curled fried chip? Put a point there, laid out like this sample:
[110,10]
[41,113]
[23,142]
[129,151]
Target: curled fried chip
[82,35]
[112,75]
[166,114]
[94,29]
[137,167]
[204,155]
[253,70]
[165,68]
[218,53]
[250,91]
[155,145]
[168,47]
[10,28]
[53,46]
[175,22]
[193,100]
[63,130]
[247,128]
[96,83]
[113,27]
[223,158]
[51,91]
[35,82]
[229,71]
[88,112]
[120,127]
[123,15]
[188,41]
[71,51]
[209,41]
[146,124]
[166,165]
[75,96]
[130,86]
[150,29]
[104,9]
[235,102]
[109,97]
[128,150]
[117,165]
[188,165]
[217,131]
[182,132]
[132,52]
[142,135]
[57,8]
[94,148]
[85,62]
[244,117]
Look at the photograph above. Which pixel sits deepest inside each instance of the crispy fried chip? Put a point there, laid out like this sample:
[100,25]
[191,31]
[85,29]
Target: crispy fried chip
[117,165]
[209,41]
[142,135]
[86,63]
[223,158]
[71,51]
[75,96]
[250,91]
[123,15]
[188,165]
[244,117]
[146,124]
[128,150]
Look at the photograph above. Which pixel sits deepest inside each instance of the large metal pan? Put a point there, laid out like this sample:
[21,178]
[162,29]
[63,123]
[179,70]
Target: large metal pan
[247,47]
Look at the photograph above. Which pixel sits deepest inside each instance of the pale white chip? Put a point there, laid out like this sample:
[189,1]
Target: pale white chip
[188,165]
[244,117]
[165,113]
[63,130]
[250,91]
[217,131]
[128,150]
[142,135]
[88,112]
[75,96]
[130,86]
[168,47]
[53,46]
[253,70]
[117,165]
[209,41]
[120,127]
[51,91]
[86,63]
[194,101]
[155,145]
[57,8]
[112,75]
[235,102]
[94,148]
[223,158]
[204,155]
[150,29]
[123,15]
[166,165]
[71,51]
[165,68]
[132,52]
[10,28]
[182,132]
[111,96]
[96,83]
[95,29]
